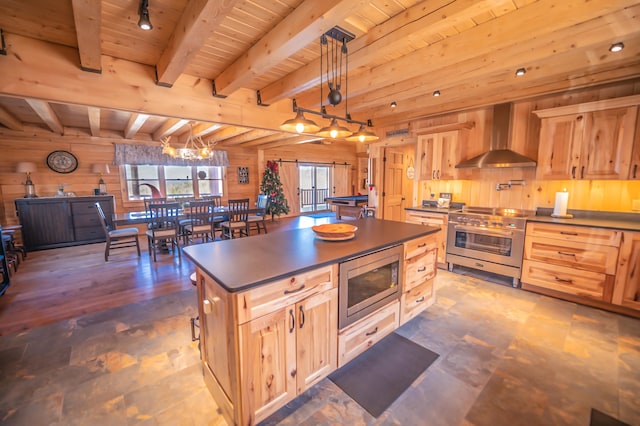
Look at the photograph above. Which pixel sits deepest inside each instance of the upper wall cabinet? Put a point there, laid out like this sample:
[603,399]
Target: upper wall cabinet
[588,141]
[438,154]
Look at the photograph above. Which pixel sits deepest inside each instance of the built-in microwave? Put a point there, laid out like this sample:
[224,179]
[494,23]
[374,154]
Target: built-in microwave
[367,283]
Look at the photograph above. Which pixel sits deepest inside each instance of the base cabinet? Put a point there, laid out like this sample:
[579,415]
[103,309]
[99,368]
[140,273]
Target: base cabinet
[440,220]
[627,286]
[286,340]
[420,261]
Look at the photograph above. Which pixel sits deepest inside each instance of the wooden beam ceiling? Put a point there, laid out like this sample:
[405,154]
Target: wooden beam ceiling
[87,15]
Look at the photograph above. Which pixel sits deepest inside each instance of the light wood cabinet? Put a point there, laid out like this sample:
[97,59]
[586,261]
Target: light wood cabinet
[626,291]
[586,145]
[440,220]
[576,260]
[420,262]
[264,346]
[437,155]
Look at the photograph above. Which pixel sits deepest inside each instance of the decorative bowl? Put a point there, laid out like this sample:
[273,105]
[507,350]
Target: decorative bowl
[335,231]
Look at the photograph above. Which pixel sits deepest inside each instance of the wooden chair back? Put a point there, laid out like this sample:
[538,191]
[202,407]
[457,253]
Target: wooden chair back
[149,201]
[103,219]
[238,210]
[200,212]
[163,216]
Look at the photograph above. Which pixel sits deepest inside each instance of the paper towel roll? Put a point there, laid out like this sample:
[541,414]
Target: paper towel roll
[560,208]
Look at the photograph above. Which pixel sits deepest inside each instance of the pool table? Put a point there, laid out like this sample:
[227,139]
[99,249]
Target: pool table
[348,206]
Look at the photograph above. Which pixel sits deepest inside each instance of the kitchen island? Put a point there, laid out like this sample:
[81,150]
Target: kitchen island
[268,309]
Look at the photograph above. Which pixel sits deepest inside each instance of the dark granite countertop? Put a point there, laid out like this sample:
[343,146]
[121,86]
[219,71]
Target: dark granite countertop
[599,219]
[244,263]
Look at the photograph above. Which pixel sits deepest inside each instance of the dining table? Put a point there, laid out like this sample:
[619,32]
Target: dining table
[137,217]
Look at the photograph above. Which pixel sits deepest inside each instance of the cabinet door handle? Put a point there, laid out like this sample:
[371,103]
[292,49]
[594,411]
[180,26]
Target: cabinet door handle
[293,321]
[422,245]
[582,173]
[569,233]
[564,280]
[424,268]
[420,300]
[573,172]
[371,333]
[564,253]
[438,174]
[433,174]
[295,290]
[635,169]
[301,317]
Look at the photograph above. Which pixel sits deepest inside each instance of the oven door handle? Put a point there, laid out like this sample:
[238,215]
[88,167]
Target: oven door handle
[480,230]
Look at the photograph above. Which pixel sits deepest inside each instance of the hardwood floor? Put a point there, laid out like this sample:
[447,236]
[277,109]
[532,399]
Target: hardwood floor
[57,284]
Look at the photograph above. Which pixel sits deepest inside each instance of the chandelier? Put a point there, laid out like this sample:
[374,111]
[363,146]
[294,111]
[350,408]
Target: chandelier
[333,46]
[194,148]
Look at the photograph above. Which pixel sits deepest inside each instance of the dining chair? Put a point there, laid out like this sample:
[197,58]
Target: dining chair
[256,221]
[200,222]
[117,238]
[163,228]
[236,224]
[217,205]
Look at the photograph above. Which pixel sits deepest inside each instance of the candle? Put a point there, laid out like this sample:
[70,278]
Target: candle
[562,199]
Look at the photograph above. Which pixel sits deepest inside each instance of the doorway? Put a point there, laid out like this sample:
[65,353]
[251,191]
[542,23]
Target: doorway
[314,187]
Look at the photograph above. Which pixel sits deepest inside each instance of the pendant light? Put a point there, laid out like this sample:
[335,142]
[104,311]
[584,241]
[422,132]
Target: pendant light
[362,135]
[300,124]
[334,131]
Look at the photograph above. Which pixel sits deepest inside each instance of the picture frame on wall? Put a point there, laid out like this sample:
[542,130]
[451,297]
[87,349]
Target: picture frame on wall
[243,175]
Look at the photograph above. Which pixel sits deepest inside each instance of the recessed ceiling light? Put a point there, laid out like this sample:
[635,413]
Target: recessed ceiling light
[616,47]
[521,71]
[394,104]
[436,93]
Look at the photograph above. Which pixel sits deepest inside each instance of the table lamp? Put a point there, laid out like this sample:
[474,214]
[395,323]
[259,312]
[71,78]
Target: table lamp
[101,169]
[29,187]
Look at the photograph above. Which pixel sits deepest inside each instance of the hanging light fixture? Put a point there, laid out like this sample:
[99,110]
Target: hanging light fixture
[194,148]
[144,23]
[333,49]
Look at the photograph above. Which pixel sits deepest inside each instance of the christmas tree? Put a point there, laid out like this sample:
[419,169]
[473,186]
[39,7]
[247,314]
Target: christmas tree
[272,187]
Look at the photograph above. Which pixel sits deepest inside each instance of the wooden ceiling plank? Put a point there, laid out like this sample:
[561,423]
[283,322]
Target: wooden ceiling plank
[135,122]
[268,139]
[246,137]
[290,141]
[304,25]
[8,120]
[198,22]
[169,127]
[203,129]
[416,23]
[87,15]
[94,120]
[46,114]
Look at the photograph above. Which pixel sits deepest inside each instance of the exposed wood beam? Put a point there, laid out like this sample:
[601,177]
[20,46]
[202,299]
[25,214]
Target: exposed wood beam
[134,124]
[47,114]
[424,19]
[94,120]
[41,70]
[305,24]
[204,129]
[199,20]
[226,133]
[9,121]
[169,127]
[246,137]
[291,141]
[87,16]
[273,138]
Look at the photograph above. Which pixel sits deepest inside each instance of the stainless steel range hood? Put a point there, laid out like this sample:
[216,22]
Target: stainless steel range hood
[499,155]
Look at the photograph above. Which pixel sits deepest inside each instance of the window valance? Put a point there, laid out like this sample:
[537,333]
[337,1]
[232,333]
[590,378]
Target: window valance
[145,154]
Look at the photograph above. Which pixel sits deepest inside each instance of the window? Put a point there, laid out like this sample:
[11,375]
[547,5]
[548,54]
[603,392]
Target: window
[173,181]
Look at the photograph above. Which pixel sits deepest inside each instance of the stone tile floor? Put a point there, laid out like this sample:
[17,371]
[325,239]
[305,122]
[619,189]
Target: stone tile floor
[507,357]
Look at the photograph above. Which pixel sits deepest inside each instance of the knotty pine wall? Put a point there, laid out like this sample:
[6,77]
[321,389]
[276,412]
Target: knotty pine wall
[35,144]
[478,187]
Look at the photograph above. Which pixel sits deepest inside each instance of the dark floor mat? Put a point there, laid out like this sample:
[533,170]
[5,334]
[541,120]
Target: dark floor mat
[380,375]
[598,418]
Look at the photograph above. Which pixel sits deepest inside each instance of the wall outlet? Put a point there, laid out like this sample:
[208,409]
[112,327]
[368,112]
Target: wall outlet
[635,205]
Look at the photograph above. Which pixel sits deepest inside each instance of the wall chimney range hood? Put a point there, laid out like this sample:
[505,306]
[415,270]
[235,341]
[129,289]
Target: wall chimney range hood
[499,155]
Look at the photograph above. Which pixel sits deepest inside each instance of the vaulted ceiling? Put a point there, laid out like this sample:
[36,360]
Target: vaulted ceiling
[229,69]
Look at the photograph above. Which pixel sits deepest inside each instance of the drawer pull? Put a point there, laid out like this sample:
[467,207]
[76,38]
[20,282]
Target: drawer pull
[422,245]
[424,268]
[564,253]
[371,333]
[569,233]
[564,280]
[294,291]
[420,300]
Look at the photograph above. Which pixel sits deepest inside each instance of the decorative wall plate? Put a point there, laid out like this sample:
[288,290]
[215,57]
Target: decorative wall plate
[62,161]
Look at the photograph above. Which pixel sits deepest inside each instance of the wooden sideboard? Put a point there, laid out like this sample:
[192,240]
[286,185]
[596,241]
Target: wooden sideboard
[62,221]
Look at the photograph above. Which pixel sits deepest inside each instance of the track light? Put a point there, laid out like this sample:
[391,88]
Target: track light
[521,71]
[394,104]
[144,22]
[436,93]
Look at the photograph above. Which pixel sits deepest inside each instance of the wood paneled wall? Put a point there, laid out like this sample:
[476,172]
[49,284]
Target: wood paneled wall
[477,187]
[35,144]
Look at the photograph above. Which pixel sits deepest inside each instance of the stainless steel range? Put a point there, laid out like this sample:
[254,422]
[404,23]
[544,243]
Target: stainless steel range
[488,239]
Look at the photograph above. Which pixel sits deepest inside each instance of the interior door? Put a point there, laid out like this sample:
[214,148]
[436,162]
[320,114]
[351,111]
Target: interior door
[290,185]
[393,198]
[341,180]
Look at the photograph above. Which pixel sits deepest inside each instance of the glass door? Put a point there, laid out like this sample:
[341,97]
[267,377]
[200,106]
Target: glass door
[314,187]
